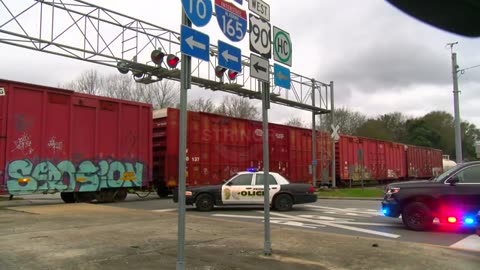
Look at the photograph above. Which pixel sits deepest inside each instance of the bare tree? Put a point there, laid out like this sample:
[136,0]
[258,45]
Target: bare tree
[161,94]
[347,120]
[120,86]
[295,122]
[201,105]
[88,82]
[238,107]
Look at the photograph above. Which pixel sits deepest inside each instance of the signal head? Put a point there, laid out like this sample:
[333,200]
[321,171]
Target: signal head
[157,57]
[122,67]
[172,60]
[232,74]
[219,71]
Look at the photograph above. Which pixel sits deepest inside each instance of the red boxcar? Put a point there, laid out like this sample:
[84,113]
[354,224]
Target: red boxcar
[219,146]
[54,140]
[423,162]
[360,158]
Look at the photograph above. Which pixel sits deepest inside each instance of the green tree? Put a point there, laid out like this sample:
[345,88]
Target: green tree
[375,129]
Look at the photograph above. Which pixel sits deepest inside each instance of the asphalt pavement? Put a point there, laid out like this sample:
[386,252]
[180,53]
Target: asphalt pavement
[101,236]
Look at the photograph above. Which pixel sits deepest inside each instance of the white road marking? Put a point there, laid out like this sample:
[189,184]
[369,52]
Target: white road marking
[346,210]
[280,221]
[296,224]
[325,218]
[471,243]
[336,225]
[164,210]
[239,216]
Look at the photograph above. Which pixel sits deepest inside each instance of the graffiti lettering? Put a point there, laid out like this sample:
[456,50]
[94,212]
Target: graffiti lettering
[24,177]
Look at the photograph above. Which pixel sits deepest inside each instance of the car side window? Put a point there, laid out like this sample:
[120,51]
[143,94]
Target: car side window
[260,179]
[470,175]
[242,180]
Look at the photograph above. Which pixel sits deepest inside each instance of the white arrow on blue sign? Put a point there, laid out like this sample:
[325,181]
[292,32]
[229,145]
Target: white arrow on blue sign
[194,43]
[229,56]
[281,76]
[198,11]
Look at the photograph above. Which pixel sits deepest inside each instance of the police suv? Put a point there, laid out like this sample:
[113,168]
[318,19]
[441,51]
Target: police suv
[247,188]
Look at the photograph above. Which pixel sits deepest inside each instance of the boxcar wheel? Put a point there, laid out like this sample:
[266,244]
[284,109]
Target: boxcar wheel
[204,202]
[67,197]
[120,195]
[417,216]
[283,202]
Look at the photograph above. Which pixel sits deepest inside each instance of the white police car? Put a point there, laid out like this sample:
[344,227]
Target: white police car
[246,188]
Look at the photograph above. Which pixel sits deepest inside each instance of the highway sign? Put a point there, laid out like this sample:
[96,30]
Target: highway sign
[260,8]
[260,33]
[259,68]
[231,19]
[282,46]
[281,76]
[198,11]
[194,43]
[229,56]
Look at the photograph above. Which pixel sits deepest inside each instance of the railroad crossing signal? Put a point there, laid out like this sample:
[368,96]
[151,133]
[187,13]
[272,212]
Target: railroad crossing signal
[335,136]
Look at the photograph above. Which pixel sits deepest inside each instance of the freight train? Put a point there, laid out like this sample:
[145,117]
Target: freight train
[97,148]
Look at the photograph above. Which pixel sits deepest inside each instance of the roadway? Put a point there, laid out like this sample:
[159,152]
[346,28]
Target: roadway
[361,218]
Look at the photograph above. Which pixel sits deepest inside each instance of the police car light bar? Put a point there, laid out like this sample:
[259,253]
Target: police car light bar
[252,170]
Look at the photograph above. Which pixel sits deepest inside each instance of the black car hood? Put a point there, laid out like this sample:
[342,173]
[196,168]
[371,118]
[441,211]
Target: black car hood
[408,184]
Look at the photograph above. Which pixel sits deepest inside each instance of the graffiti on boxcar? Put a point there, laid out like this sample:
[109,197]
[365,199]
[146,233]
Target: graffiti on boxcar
[26,177]
[23,144]
[54,144]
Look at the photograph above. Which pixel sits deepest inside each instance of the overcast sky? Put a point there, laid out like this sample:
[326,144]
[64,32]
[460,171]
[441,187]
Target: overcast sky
[380,59]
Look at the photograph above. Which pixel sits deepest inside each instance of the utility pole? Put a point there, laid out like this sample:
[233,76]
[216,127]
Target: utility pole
[456,105]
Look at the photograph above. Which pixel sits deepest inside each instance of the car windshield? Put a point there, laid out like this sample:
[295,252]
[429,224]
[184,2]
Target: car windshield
[445,174]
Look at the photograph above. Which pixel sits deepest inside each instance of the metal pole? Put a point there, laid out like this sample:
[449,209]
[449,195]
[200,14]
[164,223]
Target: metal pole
[185,78]
[314,139]
[456,105]
[333,141]
[267,246]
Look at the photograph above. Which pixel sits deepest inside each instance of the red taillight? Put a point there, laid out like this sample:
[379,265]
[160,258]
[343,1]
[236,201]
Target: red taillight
[312,189]
[452,219]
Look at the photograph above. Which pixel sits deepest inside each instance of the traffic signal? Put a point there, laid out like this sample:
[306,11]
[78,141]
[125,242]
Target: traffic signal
[219,71]
[122,67]
[172,60]
[232,75]
[157,57]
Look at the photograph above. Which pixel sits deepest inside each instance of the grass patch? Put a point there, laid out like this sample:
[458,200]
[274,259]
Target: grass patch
[352,192]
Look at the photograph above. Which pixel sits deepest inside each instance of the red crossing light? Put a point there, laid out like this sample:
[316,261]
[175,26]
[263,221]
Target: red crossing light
[219,71]
[232,75]
[157,57]
[172,60]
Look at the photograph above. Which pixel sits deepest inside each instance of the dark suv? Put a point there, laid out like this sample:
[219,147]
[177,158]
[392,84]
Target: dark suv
[453,197]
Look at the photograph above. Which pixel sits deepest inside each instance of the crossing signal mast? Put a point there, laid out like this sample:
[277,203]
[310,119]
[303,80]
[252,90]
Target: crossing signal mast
[98,35]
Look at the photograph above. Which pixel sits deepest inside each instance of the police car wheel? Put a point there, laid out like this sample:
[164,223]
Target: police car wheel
[204,202]
[283,202]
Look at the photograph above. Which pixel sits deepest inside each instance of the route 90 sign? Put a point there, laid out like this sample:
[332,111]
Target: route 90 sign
[231,19]
[260,37]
